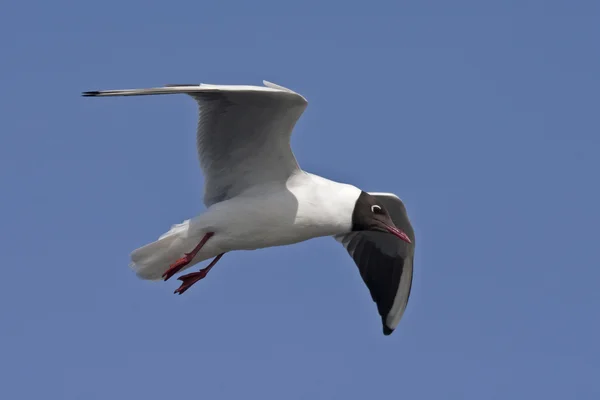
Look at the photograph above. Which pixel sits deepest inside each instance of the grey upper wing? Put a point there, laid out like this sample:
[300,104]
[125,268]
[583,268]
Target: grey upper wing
[243,136]
[385,262]
[243,139]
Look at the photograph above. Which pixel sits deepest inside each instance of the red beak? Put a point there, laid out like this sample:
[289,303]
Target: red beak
[398,233]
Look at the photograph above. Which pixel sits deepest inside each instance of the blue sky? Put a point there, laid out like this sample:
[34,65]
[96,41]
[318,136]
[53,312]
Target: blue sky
[482,116]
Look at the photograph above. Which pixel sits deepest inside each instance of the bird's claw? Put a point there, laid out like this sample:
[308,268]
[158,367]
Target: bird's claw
[177,266]
[189,279]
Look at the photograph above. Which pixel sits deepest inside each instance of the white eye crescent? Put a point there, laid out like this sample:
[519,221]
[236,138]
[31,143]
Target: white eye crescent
[375,209]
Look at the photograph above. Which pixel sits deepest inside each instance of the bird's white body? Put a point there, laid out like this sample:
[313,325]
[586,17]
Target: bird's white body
[273,214]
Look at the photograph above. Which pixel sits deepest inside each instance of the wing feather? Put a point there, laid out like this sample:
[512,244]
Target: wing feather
[243,135]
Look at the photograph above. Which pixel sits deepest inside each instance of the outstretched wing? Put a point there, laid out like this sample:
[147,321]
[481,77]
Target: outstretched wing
[385,262]
[243,135]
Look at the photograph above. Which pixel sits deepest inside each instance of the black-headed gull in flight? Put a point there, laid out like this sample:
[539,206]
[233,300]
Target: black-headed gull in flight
[257,196]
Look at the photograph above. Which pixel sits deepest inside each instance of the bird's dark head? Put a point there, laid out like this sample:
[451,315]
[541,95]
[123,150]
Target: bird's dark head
[371,215]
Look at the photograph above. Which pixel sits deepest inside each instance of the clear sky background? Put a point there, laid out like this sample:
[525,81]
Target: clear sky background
[483,116]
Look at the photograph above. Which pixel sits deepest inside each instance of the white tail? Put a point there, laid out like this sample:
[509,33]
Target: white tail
[153,260]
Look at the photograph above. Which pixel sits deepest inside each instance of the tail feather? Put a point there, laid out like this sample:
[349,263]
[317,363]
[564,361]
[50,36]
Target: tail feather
[151,261]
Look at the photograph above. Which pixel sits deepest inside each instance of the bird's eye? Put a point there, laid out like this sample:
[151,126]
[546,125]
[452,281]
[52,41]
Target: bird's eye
[376,209]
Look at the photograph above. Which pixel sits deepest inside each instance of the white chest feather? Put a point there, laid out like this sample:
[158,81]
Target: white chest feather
[307,206]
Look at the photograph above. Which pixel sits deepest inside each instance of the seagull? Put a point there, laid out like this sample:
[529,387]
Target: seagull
[257,196]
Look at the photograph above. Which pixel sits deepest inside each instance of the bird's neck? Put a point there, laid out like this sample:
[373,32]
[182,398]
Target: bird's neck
[324,204]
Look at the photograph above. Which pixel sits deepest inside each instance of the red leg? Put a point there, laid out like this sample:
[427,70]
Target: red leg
[189,279]
[186,259]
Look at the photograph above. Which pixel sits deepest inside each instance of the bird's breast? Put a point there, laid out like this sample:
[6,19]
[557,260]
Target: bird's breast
[274,218]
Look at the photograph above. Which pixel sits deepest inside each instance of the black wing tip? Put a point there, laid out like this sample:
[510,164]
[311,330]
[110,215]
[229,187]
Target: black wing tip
[386,330]
[90,93]
[181,84]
